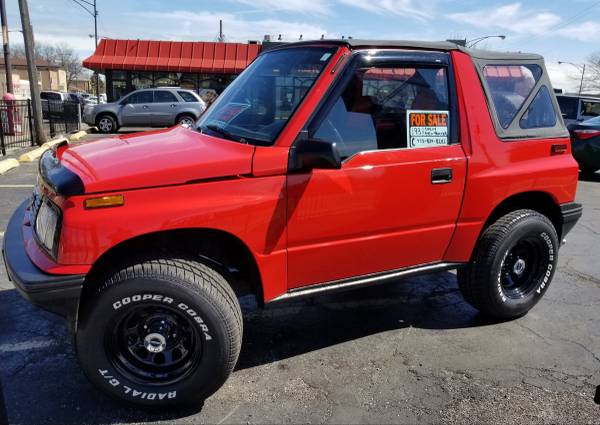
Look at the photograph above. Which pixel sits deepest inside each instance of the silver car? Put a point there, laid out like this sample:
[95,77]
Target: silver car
[158,107]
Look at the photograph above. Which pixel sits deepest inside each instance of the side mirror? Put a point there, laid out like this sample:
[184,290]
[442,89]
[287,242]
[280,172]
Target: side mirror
[307,154]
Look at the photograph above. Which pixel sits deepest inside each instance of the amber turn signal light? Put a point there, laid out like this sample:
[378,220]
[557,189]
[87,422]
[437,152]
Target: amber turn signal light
[104,201]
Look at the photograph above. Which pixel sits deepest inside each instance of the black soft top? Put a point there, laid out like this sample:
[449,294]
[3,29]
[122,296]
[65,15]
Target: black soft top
[444,46]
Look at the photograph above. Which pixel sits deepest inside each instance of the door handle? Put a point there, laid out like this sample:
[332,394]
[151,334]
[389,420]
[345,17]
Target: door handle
[441,175]
[173,105]
[145,106]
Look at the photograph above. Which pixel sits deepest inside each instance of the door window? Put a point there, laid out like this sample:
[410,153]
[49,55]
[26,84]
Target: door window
[541,112]
[389,108]
[162,96]
[589,108]
[187,96]
[140,97]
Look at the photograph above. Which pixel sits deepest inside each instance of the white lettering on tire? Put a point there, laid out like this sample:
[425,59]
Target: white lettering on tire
[548,273]
[132,392]
[166,300]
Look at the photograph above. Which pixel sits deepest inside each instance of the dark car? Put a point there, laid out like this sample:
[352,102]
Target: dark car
[575,109]
[585,140]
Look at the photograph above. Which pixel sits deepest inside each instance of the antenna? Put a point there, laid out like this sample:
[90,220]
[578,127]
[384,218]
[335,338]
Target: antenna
[221,37]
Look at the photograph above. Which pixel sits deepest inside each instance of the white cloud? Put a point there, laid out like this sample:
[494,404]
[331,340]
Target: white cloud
[314,7]
[184,25]
[585,31]
[395,7]
[562,77]
[512,18]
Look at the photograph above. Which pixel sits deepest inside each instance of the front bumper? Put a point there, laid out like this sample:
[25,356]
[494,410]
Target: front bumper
[56,293]
[571,213]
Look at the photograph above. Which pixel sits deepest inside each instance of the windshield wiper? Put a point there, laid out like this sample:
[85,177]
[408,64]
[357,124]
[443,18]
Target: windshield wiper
[220,130]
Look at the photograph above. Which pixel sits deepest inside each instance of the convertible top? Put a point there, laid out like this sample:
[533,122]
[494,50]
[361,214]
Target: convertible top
[415,44]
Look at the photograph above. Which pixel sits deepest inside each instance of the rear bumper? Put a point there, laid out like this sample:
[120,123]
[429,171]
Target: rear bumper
[56,293]
[571,213]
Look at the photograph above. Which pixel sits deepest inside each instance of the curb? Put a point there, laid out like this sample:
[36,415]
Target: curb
[8,164]
[37,152]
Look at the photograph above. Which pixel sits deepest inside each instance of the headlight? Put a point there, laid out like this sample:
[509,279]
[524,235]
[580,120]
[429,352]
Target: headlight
[46,226]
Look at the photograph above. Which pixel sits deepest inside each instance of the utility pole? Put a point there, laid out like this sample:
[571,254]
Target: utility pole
[94,12]
[36,103]
[581,83]
[7,59]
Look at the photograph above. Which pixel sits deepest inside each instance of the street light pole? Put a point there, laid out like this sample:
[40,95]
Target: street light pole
[36,102]
[94,12]
[580,68]
[475,41]
[7,59]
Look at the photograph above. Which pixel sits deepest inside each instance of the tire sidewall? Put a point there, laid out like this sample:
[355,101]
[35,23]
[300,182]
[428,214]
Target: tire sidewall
[524,228]
[113,124]
[207,376]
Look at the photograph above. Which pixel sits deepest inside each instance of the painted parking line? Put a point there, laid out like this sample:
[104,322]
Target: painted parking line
[15,186]
[27,345]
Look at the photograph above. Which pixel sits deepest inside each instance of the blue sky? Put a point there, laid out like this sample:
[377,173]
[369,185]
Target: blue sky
[558,29]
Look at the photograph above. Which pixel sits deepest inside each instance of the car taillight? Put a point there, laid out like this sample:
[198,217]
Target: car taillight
[586,134]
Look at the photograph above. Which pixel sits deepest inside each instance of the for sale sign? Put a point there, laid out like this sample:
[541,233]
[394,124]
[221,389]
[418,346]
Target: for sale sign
[427,128]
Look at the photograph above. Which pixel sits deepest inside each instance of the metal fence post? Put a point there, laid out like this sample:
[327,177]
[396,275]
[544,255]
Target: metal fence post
[30,122]
[2,146]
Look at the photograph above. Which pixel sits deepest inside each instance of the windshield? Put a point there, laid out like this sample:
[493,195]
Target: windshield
[257,105]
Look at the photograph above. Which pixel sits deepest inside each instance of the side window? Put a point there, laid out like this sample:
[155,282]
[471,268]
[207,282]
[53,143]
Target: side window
[187,96]
[568,106]
[163,96]
[389,108]
[140,97]
[540,112]
[510,86]
[590,109]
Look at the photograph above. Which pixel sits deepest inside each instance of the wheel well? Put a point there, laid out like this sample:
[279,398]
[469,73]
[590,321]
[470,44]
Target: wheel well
[224,250]
[538,201]
[189,114]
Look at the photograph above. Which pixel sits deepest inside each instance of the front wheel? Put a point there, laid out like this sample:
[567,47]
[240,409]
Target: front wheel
[186,121]
[106,124]
[512,266]
[160,332]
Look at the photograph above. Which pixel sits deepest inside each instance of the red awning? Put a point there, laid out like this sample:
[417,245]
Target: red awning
[173,56]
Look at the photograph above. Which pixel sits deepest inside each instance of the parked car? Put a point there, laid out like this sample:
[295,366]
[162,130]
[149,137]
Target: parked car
[55,96]
[577,108]
[325,166]
[156,107]
[585,139]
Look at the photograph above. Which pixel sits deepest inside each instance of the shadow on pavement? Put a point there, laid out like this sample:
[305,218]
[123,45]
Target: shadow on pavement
[587,177]
[45,384]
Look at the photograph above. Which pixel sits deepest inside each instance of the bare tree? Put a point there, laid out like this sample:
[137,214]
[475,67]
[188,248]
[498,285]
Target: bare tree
[591,82]
[55,54]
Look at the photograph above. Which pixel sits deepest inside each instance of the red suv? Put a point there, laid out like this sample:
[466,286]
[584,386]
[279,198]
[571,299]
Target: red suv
[324,166]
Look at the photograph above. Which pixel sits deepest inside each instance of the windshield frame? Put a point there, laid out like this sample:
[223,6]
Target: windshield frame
[333,51]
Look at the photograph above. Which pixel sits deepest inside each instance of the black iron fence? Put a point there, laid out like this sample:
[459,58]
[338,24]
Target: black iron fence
[17,130]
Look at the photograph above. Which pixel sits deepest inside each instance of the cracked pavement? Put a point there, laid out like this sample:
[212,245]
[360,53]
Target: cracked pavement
[410,352]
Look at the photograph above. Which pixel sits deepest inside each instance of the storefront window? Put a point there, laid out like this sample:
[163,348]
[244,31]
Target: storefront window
[166,79]
[141,80]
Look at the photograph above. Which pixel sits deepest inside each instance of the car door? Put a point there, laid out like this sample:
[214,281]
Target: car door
[166,106]
[395,201]
[137,109]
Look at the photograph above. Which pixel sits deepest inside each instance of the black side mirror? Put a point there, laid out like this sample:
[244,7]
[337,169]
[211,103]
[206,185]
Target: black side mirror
[307,154]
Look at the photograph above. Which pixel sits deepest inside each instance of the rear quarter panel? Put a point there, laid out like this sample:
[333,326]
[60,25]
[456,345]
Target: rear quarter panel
[498,169]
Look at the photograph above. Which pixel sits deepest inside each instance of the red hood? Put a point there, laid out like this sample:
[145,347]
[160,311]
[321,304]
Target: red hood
[158,158]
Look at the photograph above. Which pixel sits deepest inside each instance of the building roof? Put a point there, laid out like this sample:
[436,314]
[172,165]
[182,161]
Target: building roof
[40,63]
[421,45]
[173,56]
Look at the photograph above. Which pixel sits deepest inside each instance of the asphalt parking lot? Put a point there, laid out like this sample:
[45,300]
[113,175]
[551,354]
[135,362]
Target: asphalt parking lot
[409,352]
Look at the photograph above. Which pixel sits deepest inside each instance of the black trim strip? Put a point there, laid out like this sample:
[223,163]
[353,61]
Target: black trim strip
[62,180]
[571,212]
[364,280]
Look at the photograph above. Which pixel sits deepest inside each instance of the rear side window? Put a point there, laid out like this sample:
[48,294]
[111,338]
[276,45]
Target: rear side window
[568,106]
[540,113]
[510,86]
[590,108]
[187,96]
[162,96]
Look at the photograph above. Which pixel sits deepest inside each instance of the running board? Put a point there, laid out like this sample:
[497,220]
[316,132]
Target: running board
[362,281]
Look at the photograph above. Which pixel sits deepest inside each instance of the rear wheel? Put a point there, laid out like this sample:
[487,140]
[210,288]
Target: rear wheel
[106,124]
[161,332]
[512,266]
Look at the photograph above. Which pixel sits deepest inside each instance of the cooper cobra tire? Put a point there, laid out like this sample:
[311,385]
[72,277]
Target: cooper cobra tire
[161,332]
[512,266]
